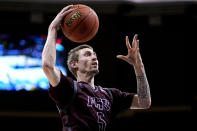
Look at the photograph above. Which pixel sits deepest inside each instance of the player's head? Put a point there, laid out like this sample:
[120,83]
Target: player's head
[82,59]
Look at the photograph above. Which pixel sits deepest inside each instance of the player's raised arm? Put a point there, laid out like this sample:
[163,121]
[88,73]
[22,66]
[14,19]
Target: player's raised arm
[142,100]
[49,51]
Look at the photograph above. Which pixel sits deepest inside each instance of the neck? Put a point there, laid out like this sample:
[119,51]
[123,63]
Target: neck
[85,77]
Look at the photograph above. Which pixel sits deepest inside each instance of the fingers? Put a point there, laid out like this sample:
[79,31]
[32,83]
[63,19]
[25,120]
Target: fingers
[66,12]
[138,42]
[134,42]
[66,9]
[128,43]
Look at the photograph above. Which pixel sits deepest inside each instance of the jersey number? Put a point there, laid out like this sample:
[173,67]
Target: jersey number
[101,121]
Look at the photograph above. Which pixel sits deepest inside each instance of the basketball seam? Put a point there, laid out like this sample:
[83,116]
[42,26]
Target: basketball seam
[80,23]
[90,31]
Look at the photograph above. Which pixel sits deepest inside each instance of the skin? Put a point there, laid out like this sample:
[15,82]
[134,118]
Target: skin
[49,51]
[87,64]
[142,100]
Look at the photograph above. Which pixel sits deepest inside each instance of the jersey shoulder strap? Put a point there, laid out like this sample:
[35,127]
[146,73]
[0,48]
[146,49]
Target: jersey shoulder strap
[65,108]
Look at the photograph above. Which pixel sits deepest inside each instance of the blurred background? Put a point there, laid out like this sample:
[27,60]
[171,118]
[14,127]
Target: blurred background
[163,27]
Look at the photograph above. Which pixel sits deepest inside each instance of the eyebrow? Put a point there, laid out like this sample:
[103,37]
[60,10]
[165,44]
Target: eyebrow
[90,52]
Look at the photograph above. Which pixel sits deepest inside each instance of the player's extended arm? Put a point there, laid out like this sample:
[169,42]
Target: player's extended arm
[49,51]
[143,97]
[142,100]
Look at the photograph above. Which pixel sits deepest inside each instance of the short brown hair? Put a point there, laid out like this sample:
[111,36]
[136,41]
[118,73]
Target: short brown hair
[73,56]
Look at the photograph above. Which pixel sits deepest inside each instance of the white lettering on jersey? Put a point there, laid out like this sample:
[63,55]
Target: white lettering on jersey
[99,103]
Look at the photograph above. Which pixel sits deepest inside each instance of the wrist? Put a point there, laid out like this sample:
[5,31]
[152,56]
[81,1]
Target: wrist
[138,66]
[53,27]
[139,69]
[52,30]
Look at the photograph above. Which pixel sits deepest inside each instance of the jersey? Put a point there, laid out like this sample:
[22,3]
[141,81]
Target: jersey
[90,109]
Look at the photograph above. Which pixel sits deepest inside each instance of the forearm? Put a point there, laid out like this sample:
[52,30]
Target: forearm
[49,51]
[143,98]
[143,89]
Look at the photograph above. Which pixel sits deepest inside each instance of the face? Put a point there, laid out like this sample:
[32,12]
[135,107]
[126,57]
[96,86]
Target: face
[87,61]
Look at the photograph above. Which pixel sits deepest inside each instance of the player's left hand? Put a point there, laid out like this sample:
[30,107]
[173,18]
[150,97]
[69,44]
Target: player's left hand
[133,57]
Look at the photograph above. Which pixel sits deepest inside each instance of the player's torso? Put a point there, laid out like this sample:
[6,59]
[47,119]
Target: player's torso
[92,106]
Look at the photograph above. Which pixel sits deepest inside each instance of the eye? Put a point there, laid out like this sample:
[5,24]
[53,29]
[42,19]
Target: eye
[87,53]
[95,53]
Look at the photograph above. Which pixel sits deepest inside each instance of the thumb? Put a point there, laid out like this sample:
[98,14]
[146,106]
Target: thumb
[121,57]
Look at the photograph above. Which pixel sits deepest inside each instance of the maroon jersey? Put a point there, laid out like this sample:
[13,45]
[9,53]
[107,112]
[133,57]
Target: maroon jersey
[90,109]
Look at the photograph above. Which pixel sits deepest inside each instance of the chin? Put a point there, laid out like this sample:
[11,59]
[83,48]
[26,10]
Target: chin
[95,72]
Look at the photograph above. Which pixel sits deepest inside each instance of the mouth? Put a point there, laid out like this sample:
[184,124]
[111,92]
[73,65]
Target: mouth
[94,63]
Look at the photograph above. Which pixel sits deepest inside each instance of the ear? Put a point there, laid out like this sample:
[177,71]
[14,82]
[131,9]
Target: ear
[73,64]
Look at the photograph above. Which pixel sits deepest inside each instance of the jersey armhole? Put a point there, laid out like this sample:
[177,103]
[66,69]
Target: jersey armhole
[109,92]
[64,109]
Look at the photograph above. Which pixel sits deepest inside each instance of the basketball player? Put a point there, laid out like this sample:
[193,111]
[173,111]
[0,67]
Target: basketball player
[82,105]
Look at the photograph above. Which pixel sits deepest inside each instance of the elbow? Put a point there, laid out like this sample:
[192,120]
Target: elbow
[48,62]
[46,66]
[146,104]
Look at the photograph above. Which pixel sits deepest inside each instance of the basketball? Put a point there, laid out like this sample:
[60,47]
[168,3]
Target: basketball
[81,25]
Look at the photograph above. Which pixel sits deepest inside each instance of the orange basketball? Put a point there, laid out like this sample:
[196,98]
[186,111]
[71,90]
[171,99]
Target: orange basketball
[81,25]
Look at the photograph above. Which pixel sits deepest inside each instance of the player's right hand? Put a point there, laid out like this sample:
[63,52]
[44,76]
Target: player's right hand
[56,23]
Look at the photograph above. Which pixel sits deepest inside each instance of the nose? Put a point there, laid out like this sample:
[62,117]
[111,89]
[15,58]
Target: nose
[94,57]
